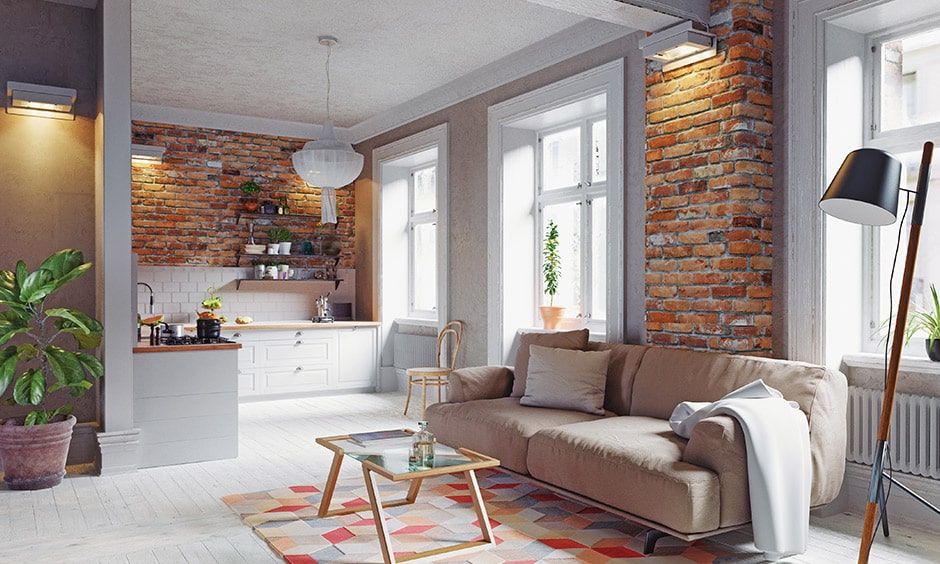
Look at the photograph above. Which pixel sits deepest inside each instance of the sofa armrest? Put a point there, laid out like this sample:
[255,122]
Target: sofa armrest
[717,443]
[479,382]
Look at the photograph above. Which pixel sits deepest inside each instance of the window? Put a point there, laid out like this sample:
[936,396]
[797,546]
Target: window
[422,242]
[906,71]
[572,192]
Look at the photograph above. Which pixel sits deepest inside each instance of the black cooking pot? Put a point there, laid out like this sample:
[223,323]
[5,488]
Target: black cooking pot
[208,328]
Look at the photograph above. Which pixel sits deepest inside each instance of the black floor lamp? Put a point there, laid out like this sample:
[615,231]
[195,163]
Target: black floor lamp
[865,190]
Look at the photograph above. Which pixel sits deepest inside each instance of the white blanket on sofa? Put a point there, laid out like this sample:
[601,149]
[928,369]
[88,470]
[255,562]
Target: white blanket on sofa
[778,461]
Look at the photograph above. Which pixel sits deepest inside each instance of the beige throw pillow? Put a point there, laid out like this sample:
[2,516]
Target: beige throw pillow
[558,340]
[566,379]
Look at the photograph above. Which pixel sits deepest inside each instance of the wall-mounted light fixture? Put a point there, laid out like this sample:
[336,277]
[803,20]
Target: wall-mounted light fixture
[679,45]
[39,100]
[146,154]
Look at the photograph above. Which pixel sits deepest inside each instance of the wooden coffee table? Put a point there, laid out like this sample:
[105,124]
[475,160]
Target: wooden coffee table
[389,459]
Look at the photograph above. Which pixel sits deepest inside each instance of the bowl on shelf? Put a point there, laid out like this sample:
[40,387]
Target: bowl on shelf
[254,249]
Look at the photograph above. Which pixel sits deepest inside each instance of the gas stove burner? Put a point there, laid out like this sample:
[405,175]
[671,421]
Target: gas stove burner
[190,340]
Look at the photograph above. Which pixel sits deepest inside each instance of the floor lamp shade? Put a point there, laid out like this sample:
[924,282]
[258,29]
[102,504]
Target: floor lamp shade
[865,190]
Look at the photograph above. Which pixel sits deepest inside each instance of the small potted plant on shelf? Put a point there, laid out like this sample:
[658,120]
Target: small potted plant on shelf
[926,321]
[283,237]
[251,189]
[551,272]
[33,448]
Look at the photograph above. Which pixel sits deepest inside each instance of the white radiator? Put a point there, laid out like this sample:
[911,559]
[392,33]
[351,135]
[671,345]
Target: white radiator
[414,350]
[914,440]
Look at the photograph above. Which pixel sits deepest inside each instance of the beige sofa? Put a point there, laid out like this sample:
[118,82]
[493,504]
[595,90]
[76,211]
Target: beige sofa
[628,459]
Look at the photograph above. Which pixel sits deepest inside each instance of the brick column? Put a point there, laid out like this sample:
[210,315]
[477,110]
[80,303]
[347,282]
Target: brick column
[709,177]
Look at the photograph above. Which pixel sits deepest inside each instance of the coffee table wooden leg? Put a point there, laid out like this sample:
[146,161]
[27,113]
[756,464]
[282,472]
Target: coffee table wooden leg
[327,498]
[478,505]
[379,516]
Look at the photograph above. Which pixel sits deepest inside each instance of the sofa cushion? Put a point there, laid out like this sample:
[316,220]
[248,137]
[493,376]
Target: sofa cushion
[667,377]
[566,379]
[558,340]
[631,463]
[621,369]
[496,427]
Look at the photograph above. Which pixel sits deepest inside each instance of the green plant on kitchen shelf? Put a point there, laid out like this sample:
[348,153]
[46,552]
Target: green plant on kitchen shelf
[250,188]
[280,235]
[38,366]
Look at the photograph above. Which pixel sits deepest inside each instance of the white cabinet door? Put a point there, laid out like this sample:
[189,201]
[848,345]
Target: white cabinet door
[357,357]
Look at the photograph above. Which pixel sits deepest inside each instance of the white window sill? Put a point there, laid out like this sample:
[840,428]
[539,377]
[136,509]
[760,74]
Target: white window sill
[920,365]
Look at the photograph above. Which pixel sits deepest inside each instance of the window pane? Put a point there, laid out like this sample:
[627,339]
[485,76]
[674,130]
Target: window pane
[927,268]
[910,76]
[567,217]
[425,195]
[599,151]
[561,159]
[598,259]
[424,267]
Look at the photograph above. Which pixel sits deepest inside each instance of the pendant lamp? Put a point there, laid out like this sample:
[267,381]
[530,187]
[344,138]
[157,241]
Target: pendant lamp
[327,163]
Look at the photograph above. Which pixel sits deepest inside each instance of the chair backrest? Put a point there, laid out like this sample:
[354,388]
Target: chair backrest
[455,330]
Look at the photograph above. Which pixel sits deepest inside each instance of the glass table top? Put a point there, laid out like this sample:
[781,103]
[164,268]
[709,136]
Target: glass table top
[392,454]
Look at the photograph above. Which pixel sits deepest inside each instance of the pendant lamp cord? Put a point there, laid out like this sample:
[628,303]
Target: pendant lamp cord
[329,51]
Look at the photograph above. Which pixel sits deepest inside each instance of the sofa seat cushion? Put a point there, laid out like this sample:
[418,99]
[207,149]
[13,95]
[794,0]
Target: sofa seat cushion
[630,463]
[496,427]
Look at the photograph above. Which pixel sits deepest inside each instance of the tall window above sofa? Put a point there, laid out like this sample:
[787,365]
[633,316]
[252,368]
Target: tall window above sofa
[572,192]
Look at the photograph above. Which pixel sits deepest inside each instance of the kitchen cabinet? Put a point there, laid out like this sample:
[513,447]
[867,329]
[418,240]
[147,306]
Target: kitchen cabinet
[297,358]
[185,404]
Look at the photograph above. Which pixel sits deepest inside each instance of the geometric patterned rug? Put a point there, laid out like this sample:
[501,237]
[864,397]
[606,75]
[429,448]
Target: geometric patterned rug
[530,524]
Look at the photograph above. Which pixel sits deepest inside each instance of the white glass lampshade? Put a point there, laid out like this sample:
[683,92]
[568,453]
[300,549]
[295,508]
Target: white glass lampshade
[327,162]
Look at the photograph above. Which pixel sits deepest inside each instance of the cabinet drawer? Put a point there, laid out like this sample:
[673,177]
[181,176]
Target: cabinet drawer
[300,379]
[310,351]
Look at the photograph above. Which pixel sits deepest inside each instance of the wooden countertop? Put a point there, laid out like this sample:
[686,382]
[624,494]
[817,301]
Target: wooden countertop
[144,346]
[296,324]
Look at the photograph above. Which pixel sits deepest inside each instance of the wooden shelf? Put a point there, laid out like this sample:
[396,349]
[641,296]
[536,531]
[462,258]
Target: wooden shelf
[294,257]
[257,215]
[336,281]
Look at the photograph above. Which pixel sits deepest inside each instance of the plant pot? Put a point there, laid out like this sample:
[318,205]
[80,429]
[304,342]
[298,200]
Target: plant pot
[933,349]
[551,316]
[251,206]
[34,456]
[284,248]
[273,248]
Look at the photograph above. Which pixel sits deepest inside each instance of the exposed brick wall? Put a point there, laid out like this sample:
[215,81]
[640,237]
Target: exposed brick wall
[184,211]
[709,176]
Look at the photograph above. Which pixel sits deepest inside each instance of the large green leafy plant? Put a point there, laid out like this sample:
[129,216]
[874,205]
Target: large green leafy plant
[38,366]
[551,261]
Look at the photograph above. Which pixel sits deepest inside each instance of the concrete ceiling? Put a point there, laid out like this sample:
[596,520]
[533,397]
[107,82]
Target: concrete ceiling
[263,60]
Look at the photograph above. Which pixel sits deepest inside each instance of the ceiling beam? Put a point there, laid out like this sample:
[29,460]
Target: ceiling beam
[647,15]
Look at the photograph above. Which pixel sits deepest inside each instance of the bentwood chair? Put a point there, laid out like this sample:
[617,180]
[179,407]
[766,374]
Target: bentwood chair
[436,376]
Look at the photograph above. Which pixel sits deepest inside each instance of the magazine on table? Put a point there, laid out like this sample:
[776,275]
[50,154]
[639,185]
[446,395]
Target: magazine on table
[367,439]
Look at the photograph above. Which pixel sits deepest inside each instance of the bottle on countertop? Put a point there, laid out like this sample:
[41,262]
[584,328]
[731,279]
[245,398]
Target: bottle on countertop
[422,448]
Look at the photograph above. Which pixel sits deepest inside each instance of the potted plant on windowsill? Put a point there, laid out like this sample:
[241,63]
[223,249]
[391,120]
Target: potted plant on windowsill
[33,449]
[926,322]
[251,189]
[551,272]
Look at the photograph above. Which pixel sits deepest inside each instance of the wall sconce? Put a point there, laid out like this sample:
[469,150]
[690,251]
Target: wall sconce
[146,154]
[679,45]
[39,100]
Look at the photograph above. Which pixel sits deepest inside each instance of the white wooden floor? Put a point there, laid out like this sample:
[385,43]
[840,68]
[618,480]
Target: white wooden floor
[175,514]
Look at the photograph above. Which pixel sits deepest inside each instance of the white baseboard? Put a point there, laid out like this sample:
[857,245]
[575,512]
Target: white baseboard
[119,452]
[902,508]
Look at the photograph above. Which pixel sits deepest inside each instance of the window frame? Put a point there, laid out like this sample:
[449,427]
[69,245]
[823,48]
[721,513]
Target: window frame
[415,219]
[896,141]
[583,194]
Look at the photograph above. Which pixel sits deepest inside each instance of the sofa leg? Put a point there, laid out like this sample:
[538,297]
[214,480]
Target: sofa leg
[652,535]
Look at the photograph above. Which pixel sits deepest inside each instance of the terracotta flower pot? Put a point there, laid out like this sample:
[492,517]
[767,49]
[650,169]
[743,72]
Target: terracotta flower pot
[33,457]
[551,316]
[251,206]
